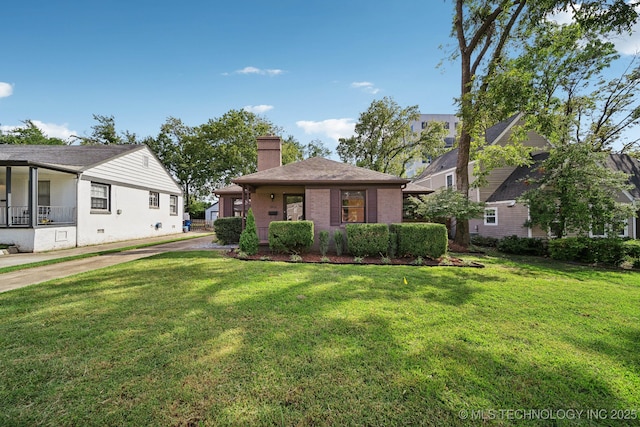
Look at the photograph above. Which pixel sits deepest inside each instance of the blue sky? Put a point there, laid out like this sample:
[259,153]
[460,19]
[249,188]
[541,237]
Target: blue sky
[310,67]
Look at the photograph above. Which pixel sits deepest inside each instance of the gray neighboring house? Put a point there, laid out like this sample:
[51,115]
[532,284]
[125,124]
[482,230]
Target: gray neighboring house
[504,215]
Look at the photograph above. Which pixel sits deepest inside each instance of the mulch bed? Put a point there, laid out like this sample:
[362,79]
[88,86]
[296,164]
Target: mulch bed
[264,254]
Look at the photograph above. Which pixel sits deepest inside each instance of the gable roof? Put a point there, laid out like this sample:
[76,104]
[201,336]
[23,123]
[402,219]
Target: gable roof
[450,158]
[74,158]
[318,170]
[496,131]
[629,165]
[447,161]
[514,186]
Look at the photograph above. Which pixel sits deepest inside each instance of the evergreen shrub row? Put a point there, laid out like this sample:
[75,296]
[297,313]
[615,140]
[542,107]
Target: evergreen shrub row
[290,236]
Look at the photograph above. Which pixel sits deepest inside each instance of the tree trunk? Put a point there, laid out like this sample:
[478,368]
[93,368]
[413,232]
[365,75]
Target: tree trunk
[462,236]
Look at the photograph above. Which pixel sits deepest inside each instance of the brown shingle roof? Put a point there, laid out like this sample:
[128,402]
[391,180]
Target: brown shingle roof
[318,170]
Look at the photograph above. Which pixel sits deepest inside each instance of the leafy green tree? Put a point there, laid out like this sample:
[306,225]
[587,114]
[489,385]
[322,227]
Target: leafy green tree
[445,204]
[232,139]
[316,148]
[384,141]
[487,31]
[28,134]
[292,150]
[187,157]
[577,191]
[104,133]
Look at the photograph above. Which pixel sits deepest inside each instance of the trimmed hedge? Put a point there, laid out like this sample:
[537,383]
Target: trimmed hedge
[487,242]
[367,239]
[588,250]
[422,239]
[228,229]
[632,248]
[523,246]
[290,236]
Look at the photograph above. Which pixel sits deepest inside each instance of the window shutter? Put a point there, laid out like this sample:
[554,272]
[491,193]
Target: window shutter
[372,205]
[334,207]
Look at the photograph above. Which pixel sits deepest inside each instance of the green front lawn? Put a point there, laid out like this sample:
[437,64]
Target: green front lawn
[197,339]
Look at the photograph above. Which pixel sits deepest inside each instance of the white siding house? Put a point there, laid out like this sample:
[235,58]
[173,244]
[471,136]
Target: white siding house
[55,197]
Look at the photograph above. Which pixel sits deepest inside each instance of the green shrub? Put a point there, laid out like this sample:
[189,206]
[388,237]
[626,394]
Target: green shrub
[323,238]
[249,242]
[421,239]
[487,242]
[367,239]
[632,248]
[523,246]
[609,250]
[393,245]
[588,250]
[566,249]
[290,236]
[228,229]
[338,239]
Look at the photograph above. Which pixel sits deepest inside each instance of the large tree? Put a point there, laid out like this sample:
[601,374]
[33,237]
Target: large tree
[104,133]
[487,32]
[232,138]
[30,134]
[384,141]
[186,157]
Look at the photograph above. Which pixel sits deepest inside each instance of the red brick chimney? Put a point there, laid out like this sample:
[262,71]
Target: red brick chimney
[269,152]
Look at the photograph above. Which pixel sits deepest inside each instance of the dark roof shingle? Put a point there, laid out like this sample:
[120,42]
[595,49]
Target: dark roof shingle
[318,170]
[72,157]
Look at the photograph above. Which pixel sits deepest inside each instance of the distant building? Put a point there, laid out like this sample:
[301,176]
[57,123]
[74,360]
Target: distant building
[450,124]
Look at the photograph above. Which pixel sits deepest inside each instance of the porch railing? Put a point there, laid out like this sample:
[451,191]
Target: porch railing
[56,215]
[47,215]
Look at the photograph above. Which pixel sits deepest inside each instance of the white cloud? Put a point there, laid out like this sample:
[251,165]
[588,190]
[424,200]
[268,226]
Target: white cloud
[51,130]
[253,70]
[367,87]
[626,44]
[258,109]
[333,128]
[5,89]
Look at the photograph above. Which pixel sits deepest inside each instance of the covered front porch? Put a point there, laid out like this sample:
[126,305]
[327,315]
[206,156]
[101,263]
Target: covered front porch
[32,197]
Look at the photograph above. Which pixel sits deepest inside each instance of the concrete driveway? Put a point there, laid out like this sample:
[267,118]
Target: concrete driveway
[29,276]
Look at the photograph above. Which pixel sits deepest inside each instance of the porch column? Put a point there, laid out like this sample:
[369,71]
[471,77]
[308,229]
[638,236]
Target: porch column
[8,190]
[33,197]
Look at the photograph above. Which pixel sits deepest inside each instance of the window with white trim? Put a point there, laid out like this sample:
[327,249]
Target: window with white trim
[173,205]
[449,180]
[491,216]
[154,199]
[100,197]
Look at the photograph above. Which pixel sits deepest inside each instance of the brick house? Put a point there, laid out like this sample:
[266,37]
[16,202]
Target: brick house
[329,193]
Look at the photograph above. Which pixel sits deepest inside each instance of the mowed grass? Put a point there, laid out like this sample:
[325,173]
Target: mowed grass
[194,338]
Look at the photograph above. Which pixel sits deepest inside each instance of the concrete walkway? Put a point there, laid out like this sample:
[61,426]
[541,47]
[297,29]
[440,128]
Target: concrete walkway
[29,276]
